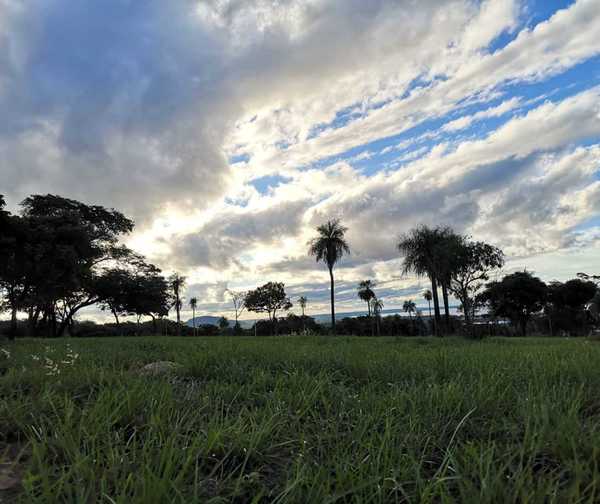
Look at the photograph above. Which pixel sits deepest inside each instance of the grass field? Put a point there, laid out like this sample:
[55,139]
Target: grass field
[302,420]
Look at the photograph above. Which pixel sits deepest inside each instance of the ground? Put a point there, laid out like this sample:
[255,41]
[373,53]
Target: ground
[302,420]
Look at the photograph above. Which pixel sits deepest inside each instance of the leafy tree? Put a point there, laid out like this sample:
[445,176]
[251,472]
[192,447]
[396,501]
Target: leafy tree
[567,303]
[517,296]
[177,283]
[329,247]
[268,298]
[472,263]
[590,278]
[59,248]
[193,305]
[133,288]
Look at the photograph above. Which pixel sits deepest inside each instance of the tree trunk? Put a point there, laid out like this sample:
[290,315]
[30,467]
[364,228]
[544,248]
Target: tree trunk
[194,319]
[53,332]
[12,334]
[332,301]
[446,307]
[429,303]
[436,307]
[178,308]
[524,326]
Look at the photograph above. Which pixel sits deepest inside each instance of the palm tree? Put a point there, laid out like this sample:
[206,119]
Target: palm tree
[428,297]
[177,283]
[302,302]
[447,260]
[420,249]
[365,292]
[377,307]
[193,304]
[410,307]
[329,247]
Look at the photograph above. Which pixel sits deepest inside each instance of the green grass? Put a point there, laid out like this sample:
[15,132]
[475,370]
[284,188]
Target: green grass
[304,420]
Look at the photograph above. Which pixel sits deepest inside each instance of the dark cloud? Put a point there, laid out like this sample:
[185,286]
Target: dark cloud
[113,101]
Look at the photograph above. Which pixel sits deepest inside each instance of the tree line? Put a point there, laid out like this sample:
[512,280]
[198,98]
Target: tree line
[59,256]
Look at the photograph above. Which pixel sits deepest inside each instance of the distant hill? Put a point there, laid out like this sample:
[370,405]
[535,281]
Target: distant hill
[320,318]
[212,320]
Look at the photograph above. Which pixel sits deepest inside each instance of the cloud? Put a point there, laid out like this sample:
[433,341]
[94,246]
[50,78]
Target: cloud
[108,102]
[142,105]
[497,111]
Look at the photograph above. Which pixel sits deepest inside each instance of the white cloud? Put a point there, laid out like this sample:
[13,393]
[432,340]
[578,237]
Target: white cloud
[110,103]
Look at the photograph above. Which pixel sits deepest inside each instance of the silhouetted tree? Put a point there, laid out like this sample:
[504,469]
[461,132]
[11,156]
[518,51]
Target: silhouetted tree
[223,324]
[567,302]
[61,247]
[409,307]
[428,297]
[193,305]
[268,298]
[377,307]
[365,292]
[238,305]
[420,250]
[302,302]
[517,296]
[177,283]
[329,247]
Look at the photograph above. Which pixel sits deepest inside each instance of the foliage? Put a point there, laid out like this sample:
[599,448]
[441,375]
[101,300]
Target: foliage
[60,255]
[268,298]
[567,302]
[470,266]
[517,296]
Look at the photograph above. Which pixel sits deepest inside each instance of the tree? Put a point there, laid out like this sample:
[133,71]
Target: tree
[268,298]
[177,283]
[365,292]
[409,307]
[59,248]
[472,263]
[329,247]
[427,296]
[421,257]
[302,302]
[238,305]
[134,288]
[11,268]
[517,296]
[193,305]
[567,303]
[377,307]
[223,324]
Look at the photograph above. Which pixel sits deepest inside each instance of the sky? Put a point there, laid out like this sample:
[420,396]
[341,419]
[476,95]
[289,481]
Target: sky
[230,129]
